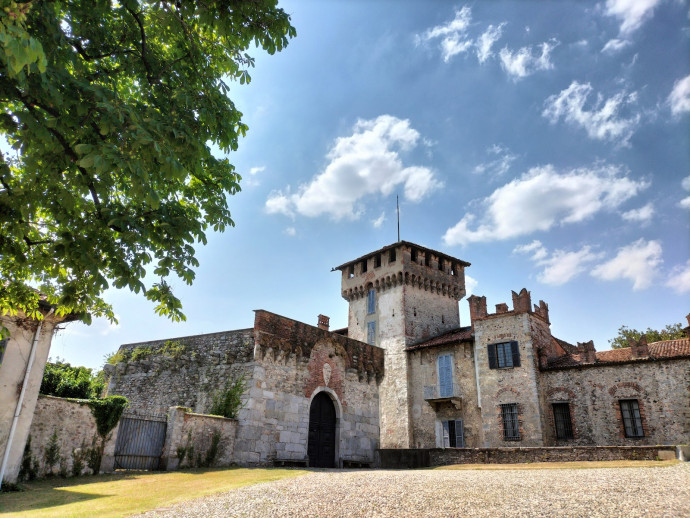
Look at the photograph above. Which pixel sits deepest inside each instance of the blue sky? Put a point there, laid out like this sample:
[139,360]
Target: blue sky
[546,143]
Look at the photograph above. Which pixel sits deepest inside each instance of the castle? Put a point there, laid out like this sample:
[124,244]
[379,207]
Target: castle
[405,374]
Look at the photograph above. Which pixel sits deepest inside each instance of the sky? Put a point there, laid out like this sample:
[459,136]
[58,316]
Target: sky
[547,143]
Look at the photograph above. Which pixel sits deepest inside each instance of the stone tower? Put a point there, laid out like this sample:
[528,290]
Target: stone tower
[399,295]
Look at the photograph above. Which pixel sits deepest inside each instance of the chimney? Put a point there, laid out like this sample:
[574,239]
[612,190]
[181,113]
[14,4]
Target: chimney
[324,322]
[501,308]
[587,351]
[639,349]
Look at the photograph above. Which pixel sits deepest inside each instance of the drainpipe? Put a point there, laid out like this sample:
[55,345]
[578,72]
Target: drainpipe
[476,376]
[18,410]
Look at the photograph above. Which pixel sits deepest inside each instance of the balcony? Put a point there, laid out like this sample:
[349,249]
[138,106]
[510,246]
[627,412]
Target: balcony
[435,397]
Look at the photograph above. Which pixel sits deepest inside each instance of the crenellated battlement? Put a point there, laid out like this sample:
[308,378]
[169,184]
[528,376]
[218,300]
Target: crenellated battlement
[403,263]
[522,303]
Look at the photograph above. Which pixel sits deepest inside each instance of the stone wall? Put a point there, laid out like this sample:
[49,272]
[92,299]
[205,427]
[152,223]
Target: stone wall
[662,388]
[191,375]
[74,426]
[194,440]
[294,362]
[423,458]
[518,385]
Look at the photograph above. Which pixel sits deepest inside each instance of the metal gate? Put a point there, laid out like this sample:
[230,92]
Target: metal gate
[140,442]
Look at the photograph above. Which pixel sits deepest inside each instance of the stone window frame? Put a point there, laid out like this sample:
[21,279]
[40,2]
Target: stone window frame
[639,422]
[514,409]
[496,359]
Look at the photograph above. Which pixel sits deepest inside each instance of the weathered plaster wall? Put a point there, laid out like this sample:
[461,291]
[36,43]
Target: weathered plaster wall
[661,387]
[12,370]
[75,427]
[426,416]
[509,385]
[189,440]
[192,379]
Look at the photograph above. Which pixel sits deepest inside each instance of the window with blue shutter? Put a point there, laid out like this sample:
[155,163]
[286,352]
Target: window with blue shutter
[502,356]
[371,333]
[453,434]
[371,302]
[445,375]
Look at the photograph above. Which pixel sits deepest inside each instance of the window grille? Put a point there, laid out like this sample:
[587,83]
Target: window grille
[445,375]
[371,302]
[453,434]
[632,420]
[504,355]
[511,426]
[561,417]
[371,333]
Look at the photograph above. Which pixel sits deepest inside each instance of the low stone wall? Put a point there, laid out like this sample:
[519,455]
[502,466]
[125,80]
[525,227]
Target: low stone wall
[423,458]
[63,433]
[194,440]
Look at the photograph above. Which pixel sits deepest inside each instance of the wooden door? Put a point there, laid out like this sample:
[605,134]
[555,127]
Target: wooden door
[321,448]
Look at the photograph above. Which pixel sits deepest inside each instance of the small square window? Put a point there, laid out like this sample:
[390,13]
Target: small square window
[562,421]
[632,419]
[511,425]
[371,333]
[504,355]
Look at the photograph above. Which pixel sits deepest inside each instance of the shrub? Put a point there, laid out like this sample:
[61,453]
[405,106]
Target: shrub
[228,402]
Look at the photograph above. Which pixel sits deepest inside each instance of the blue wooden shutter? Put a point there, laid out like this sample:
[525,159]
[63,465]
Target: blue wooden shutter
[492,357]
[371,302]
[445,375]
[371,333]
[445,439]
[516,354]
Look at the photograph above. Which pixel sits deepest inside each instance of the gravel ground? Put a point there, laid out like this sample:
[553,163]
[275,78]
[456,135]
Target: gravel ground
[628,492]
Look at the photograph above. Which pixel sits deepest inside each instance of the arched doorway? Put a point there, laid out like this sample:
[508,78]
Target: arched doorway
[321,448]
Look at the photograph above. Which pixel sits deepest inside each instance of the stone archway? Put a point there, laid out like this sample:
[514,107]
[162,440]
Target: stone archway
[322,432]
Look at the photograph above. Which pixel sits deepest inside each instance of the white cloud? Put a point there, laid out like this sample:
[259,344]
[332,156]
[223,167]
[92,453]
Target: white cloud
[603,121]
[290,231]
[685,183]
[643,214]
[256,170]
[679,98]
[470,285]
[252,181]
[685,202]
[379,221]
[453,35]
[499,165]
[543,198]
[366,163]
[638,262]
[486,41]
[631,13]
[561,266]
[615,45]
[524,62]
[679,280]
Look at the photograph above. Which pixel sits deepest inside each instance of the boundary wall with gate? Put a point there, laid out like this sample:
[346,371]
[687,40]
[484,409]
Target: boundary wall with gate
[63,439]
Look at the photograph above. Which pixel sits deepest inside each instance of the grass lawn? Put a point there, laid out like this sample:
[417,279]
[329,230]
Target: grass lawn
[122,494]
[570,465]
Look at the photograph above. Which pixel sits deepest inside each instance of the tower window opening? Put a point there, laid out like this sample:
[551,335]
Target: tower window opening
[391,255]
[377,261]
[427,259]
[351,271]
[441,264]
[453,269]
[413,255]
[364,266]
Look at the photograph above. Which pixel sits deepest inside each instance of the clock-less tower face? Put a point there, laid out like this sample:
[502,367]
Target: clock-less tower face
[399,295]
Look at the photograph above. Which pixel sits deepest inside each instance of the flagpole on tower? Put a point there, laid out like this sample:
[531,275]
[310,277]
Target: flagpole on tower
[397,208]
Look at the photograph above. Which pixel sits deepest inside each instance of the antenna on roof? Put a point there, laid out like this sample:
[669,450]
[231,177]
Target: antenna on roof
[397,209]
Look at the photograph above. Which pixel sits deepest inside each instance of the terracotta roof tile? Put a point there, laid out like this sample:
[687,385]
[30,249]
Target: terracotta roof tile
[461,334]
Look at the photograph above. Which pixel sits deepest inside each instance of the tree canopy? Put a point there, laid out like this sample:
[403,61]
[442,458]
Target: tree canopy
[60,379]
[670,332]
[111,109]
